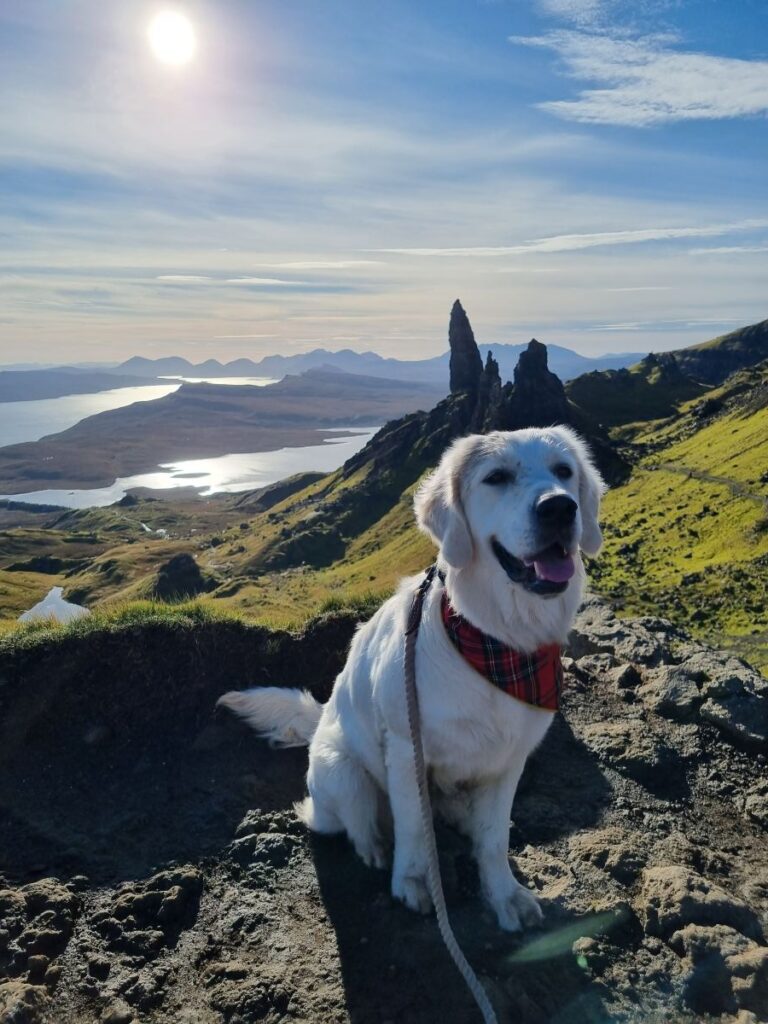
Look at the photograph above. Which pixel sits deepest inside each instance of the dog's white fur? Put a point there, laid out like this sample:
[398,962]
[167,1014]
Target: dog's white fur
[476,738]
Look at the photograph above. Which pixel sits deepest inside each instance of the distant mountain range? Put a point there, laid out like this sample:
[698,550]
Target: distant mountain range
[566,363]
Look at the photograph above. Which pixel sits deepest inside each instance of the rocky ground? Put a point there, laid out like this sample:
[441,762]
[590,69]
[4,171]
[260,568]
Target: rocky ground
[151,868]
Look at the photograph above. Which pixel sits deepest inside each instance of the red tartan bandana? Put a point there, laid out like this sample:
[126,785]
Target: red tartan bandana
[535,679]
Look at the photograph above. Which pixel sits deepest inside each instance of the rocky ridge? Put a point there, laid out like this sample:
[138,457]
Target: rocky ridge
[162,876]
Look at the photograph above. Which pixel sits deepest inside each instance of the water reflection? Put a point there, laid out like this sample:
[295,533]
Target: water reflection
[53,606]
[230,473]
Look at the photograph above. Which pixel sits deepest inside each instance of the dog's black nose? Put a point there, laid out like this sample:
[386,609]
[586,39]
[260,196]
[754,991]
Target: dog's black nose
[556,510]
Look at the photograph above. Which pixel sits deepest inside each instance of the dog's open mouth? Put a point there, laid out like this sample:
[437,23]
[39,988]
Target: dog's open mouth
[546,574]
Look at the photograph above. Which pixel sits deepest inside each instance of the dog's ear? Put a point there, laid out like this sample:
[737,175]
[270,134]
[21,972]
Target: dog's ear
[440,512]
[591,489]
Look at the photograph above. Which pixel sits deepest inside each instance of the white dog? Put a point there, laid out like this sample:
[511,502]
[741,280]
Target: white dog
[509,511]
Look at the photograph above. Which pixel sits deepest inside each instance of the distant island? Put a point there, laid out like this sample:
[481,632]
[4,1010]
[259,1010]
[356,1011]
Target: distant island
[206,420]
[34,385]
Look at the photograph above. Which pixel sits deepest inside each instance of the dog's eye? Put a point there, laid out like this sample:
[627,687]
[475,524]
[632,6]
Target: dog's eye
[499,477]
[563,472]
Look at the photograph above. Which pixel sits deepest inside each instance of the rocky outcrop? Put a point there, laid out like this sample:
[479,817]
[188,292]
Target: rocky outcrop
[466,365]
[178,578]
[184,887]
[538,397]
[658,667]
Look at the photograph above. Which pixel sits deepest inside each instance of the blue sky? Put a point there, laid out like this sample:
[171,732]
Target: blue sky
[589,171]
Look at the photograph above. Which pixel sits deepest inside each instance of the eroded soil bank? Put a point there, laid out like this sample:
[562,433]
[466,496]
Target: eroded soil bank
[151,868]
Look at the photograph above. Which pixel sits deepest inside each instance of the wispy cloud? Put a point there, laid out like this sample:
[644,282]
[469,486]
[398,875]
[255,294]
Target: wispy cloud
[272,282]
[646,82]
[571,243]
[727,250]
[183,278]
[581,12]
[321,264]
[660,325]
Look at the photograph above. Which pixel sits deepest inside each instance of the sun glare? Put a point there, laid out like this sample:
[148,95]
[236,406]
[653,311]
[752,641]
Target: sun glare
[172,38]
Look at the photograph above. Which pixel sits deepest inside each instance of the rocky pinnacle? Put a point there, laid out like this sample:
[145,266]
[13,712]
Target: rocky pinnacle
[466,364]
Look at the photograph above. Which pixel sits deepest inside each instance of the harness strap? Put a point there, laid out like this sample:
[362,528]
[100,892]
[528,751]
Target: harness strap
[433,868]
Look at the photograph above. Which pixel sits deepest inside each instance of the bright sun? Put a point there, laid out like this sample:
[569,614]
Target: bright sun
[172,37]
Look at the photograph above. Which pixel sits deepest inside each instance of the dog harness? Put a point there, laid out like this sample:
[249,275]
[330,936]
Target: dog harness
[535,679]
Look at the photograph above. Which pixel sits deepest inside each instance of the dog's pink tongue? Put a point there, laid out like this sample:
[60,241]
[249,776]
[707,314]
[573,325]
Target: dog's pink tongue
[556,570]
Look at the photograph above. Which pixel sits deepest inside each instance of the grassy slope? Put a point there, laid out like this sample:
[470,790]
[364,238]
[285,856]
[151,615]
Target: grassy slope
[687,536]
[676,544]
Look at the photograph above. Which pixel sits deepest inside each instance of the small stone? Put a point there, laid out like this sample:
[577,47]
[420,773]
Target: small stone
[674,693]
[52,976]
[37,966]
[22,1003]
[591,954]
[626,677]
[117,1013]
[749,978]
[99,967]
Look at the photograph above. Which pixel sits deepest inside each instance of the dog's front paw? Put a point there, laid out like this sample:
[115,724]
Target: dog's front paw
[372,853]
[518,909]
[413,892]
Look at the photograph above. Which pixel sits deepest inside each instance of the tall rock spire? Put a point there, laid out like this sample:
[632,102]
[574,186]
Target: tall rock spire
[466,364]
[538,396]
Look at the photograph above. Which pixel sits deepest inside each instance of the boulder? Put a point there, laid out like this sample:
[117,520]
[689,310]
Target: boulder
[179,577]
[724,971]
[618,853]
[21,1003]
[674,896]
[632,748]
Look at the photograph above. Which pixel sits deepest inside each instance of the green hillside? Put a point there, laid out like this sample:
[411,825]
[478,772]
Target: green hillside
[651,390]
[687,535]
[658,386]
[712,361]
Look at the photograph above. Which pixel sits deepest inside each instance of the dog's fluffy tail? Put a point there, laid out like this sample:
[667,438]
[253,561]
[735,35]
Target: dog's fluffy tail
[287,718]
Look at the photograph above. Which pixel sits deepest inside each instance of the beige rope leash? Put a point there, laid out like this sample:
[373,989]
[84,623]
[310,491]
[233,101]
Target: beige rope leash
[433,867]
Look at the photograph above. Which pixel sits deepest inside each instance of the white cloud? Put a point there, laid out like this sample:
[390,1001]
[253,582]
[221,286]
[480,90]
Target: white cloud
[649,325]
[582,12]
[267,281]
[321,264]
[183,278]
[727,250]
[571,243]
[646,82]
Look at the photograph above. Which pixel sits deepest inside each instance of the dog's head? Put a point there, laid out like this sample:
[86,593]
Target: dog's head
[522,501]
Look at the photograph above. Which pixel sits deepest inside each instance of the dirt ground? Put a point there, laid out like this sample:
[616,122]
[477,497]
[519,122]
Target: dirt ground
[151,868]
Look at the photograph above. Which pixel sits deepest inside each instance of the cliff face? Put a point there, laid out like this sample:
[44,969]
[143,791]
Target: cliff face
[151,868]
